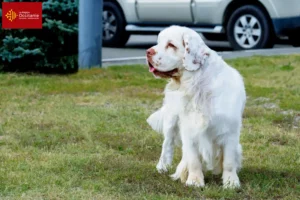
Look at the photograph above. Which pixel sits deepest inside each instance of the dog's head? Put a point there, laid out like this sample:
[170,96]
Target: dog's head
[178,49]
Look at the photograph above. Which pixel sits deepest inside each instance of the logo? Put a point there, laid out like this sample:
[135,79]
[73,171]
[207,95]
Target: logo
[22,15]
[11,15]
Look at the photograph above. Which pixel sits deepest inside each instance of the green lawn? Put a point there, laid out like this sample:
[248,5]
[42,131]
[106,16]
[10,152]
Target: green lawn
[85,136]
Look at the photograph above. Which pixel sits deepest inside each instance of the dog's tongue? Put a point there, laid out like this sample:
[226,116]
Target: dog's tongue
[152,69]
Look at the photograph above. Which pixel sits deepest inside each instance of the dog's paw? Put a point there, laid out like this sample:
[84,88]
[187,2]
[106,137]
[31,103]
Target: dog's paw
[182,176]
[231,181]
[195,181]
[162,167]
[231,184]
[174,177]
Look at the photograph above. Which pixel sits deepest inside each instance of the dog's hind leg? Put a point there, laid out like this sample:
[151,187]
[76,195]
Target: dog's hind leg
[181,171]
[232,162]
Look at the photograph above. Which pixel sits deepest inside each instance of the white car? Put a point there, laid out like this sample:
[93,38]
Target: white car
[246,24]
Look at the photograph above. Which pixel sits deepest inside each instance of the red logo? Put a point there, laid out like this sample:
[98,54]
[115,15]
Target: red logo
[22,15]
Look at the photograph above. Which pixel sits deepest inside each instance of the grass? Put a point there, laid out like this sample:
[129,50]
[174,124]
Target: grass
[85,136]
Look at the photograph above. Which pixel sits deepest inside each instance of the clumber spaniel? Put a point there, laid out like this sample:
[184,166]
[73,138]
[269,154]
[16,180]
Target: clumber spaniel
[202,109]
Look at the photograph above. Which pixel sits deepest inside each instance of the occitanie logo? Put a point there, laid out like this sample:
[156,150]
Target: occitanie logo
[22,15]
[11,15]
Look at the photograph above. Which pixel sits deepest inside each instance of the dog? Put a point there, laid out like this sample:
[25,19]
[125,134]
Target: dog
[202,108]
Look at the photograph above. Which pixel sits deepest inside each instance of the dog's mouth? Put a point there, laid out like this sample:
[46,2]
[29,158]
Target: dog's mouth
[151,68]
[166,74]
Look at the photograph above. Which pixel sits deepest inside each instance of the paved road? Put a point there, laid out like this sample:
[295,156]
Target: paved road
[134,51]
[137,45]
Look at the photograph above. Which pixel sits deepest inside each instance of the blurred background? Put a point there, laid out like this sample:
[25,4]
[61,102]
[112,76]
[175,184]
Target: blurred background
[226,25]
[131,26]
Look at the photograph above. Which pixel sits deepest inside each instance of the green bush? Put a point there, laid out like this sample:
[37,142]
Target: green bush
[51,49]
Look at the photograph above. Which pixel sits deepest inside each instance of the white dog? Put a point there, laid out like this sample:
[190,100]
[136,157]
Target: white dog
[202,110]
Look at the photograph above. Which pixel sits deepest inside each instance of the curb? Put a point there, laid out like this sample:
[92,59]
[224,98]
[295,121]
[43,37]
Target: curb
[259,52]
[224,54]
[124,61]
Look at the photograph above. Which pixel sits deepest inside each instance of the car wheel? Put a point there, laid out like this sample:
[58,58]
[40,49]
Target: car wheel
[248,28]
[114,33]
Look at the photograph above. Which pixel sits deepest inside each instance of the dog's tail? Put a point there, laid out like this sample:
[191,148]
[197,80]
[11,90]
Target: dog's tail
[156,121]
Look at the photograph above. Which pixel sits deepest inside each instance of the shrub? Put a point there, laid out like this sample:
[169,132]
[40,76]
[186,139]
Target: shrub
[51,49]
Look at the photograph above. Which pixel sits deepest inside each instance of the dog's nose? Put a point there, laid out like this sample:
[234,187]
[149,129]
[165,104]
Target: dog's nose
[150,52]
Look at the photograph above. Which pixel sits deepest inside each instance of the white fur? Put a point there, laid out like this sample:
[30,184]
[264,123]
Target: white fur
[202,107]
[165,120]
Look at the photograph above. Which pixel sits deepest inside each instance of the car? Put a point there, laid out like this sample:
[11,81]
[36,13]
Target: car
[246,24]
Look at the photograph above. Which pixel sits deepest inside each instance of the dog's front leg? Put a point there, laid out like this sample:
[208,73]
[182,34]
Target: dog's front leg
[191,129]
[165,122]
[170,132]
[190,153]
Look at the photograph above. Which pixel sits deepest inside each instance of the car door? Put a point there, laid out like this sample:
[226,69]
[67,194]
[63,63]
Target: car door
[164,11]
[209,12]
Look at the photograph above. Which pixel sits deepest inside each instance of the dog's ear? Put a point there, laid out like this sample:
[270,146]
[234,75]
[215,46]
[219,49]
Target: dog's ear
[196,52]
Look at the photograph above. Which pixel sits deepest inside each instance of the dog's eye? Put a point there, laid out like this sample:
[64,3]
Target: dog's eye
[171,45]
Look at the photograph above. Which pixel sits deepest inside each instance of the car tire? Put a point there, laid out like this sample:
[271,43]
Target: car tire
[248,28]
[215,36]
[114,33]
[294,38]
